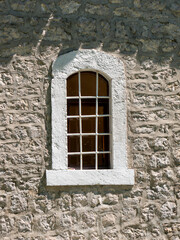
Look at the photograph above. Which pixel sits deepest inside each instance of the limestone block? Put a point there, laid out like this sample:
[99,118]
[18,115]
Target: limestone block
[6,224]
[161,143]
[134,233]
[89,219]
[18,203]
[95,9]
[159,160]
[150,45]
[168,210]
[65,202]
[110,199]
[108,220]
[112,234]
[9,186]
[79,200]
[139,160]
[69,7]
[45,223]
[148,212]
[24,223]
[128,213]
[116,1]
[95,200]
[141,144]
[2,201]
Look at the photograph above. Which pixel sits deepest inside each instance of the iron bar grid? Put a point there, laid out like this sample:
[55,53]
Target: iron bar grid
[80,116]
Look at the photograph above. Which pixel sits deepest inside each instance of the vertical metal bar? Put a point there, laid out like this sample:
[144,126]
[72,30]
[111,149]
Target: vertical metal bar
[80,120]
[96,163]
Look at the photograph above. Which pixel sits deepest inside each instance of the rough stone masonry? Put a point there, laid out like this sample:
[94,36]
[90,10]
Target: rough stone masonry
[146,36]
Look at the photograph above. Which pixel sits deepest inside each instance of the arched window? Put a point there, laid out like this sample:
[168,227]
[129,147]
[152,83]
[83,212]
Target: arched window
[88,118]
[88,98]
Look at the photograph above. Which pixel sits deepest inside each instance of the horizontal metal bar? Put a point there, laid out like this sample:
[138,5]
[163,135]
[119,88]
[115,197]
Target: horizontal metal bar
[88,134]
[87,116]
[84,153]
[89,97]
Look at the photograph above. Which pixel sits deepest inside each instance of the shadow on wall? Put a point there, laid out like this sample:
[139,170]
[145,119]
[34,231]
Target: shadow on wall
[146,31]
[55,192]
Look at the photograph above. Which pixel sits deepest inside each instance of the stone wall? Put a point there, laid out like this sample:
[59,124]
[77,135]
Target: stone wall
[146,35]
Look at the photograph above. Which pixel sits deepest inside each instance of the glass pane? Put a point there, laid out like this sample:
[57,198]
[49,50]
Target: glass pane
[73,125]
[103,88]
[74,161]
[103,124]
[73,144]
[89,161]
[72,107]
[88,125]
[88,84]
[88,106]
[103,143]
[72,85]
[103,106]
[88,143]
[104,161]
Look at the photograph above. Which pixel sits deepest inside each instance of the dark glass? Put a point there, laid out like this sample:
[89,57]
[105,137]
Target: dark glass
[103,124]
[88,84]
[88,161]
[104,161]
[89,125]
[74,161]
[72,85]
[72,107]
[103,88]
[88,106]
[103,106]
[103,143]
[88,143]
[73,144]
[73,125]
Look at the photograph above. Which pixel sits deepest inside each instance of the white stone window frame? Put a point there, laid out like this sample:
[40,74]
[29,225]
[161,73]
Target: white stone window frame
[112,68]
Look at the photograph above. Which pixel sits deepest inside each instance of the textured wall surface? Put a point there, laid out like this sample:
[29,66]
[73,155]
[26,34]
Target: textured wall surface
[146,35]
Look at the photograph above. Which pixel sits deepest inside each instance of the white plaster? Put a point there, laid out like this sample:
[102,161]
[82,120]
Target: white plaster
[90,177]
[112,68]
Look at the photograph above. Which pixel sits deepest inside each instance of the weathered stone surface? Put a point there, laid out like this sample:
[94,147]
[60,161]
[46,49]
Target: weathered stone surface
[2,201]
[69,7]
[168,210]
[145,35]
[65,202]
[6,224]
[24,224]
[148,212]
[111,199]
[159,160]
[161,144]
[133,232]
[89,219]
[97,9]
[18,203]
[79,200]
[108,220]
[141,144]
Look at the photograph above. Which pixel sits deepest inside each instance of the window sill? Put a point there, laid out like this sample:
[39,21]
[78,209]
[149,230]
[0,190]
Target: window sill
[89,177]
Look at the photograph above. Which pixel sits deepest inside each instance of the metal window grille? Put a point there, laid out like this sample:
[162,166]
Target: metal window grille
[88,118]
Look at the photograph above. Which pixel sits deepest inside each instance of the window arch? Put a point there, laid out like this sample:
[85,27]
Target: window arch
[112,69]
[88,118]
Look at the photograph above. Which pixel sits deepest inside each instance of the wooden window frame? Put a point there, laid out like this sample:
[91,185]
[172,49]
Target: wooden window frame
[111,67]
